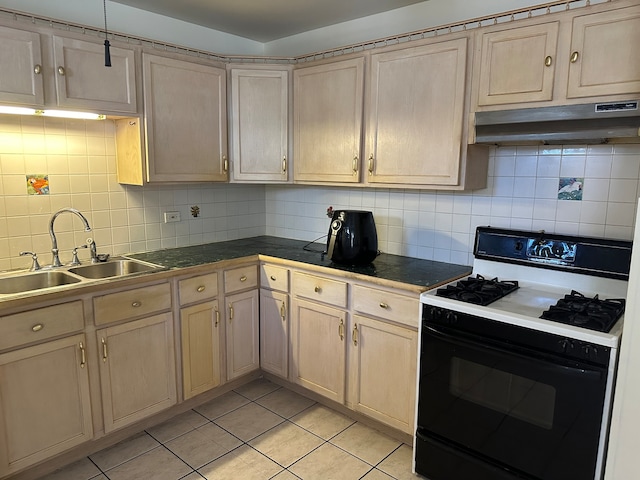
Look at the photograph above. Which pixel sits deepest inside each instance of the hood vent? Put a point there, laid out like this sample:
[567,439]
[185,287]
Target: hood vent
[588,123]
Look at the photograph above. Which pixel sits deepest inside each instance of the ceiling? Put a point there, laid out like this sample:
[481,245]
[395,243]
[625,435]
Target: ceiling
[266,20]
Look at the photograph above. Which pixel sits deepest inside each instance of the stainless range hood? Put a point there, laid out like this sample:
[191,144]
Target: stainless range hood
[587,123]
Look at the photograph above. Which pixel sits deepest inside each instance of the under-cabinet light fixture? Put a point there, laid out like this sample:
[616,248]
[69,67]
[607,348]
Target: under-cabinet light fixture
[51,113]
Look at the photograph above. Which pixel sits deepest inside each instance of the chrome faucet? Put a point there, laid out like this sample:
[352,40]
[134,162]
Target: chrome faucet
[54,242]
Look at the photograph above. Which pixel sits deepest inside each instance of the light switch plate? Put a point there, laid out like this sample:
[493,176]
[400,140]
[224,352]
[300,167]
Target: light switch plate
[171,217]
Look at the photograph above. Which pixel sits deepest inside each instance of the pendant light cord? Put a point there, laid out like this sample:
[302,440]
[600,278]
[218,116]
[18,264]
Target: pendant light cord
[107,52]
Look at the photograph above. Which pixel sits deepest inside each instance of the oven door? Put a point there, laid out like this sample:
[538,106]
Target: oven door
[492,410]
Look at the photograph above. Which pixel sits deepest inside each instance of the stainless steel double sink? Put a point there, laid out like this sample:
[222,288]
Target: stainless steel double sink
[24,281]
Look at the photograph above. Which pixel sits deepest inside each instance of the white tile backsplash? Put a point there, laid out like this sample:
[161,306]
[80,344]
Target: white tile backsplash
[79,157]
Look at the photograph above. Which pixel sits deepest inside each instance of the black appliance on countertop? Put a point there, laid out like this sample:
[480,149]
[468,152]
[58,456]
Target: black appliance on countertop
[352,237]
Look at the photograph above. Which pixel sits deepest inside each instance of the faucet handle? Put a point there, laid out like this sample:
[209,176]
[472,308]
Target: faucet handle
[34,264]
[75,260]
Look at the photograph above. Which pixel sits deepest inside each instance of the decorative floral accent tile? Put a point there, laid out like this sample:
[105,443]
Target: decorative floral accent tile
[570,188]
[37,184]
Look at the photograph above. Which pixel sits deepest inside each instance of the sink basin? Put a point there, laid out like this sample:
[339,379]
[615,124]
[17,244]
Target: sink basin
[116,267]
[35,281]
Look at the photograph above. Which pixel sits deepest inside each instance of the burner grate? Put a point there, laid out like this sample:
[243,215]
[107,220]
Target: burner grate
[478,290]
[582,311]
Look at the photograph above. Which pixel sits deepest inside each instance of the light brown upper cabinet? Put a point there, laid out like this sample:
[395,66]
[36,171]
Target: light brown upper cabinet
[186,120]
[21,73]
[517,64]
[83,82]
[259,123]
[559,59]
[417,119]
[77,79]
[327,121]
[604,57]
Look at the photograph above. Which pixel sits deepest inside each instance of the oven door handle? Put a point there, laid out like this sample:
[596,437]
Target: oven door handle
[549,360]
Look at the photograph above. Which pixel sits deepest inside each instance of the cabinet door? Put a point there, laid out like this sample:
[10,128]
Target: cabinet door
[318,348]
[242,332]
[82,80]
[21,72]
[186,120]
[517,65]
[200,327]
[137,370]
[45,407]
[274,332]
[383,366]
[604,54]
[260,122]
[416,107]
[327,121]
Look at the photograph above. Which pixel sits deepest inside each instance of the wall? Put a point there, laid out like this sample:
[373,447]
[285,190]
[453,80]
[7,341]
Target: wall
[79,158]
[522,193]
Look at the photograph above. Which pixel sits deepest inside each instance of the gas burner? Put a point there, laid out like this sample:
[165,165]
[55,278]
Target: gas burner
[592,313]
[478,290]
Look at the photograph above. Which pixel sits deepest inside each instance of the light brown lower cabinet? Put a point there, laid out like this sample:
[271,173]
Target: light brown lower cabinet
[318,348]
[242,333]
[383,371]
[45,407]
[200,327]
[137,369]
[274,332]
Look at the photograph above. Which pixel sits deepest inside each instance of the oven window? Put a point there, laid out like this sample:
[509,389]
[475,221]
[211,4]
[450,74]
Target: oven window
[510,394]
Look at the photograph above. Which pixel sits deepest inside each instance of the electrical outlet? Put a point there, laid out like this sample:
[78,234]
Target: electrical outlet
[171,217]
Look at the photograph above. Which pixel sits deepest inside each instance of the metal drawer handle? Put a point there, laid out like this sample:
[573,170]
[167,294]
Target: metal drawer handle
[284,164]
[283,312]
[548,61]
[574,57]
[273,277]
[230,312]
[243,278]
[317,289]
[37,327]
[225,164]
[354,335]
[370,164]
[201,288]
[217,315]
[136,304]
[355,165]
[341,329]
[83,356]
[37,69]
[104,349]
[61,71]
[384,305]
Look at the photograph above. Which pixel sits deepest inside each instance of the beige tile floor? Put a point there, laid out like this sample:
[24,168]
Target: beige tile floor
[258,431]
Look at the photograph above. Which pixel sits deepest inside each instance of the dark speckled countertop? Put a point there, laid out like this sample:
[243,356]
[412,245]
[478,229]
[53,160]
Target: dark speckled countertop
[412,271]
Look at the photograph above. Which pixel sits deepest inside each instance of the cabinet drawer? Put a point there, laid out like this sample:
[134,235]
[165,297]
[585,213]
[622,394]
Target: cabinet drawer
[241,278]
[131,303]
[41,324]
[202,287]
[320,289]
[391,306]
[274,278]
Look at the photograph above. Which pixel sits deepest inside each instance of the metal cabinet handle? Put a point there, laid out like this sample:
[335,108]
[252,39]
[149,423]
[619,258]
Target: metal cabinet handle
[283,312]
[104,349]
[284,164]
[354,335]
[136,304]
[384,305]
[61,71]
[225,164]
[317,289]
[215,309]
[273,277]
[83,356]
[37,327]
[548,61]
[574,57]
[37,69]
[243,278]
[341,329]
[230,312]
[201,288]
[370,164]
[355,164]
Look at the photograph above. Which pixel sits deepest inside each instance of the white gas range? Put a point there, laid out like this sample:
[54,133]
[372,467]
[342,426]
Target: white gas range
[497,380]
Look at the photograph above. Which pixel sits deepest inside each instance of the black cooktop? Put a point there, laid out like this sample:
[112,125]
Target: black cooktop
[478,290]
[587,312]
